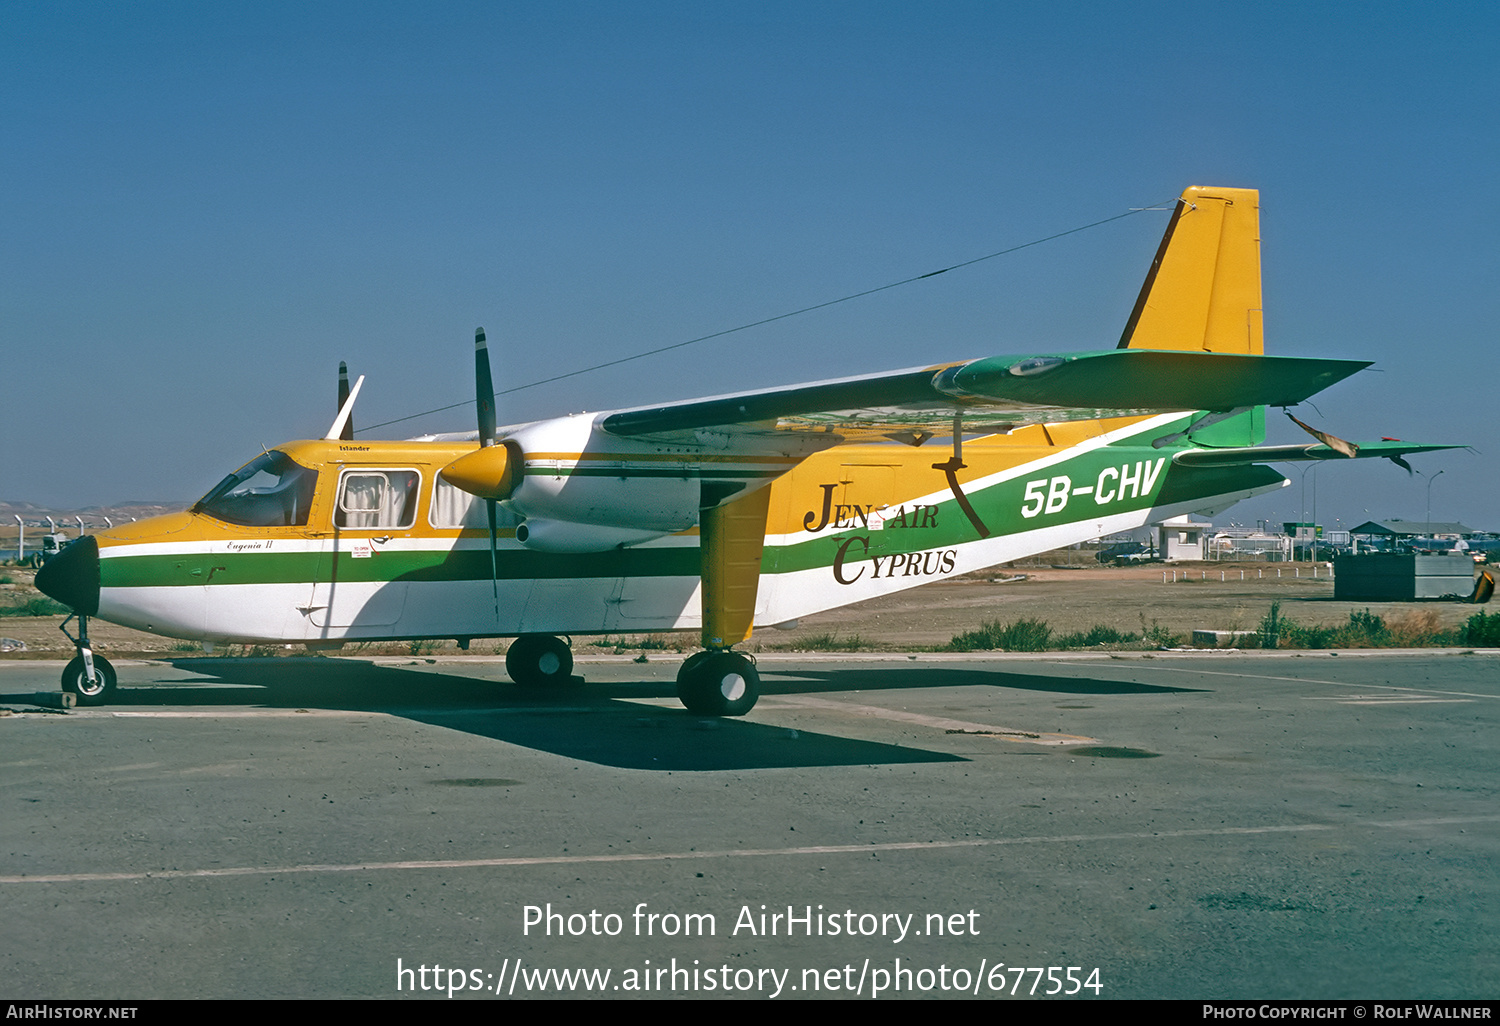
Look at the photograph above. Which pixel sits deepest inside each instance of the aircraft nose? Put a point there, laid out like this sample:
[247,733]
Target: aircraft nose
[72,576]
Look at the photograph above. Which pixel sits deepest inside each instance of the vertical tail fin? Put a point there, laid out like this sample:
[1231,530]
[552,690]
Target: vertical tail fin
[1203,289]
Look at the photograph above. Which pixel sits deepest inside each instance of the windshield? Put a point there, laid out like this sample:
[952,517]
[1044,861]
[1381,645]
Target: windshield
[269,491]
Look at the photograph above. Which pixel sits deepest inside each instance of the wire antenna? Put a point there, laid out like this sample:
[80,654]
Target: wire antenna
[779,317]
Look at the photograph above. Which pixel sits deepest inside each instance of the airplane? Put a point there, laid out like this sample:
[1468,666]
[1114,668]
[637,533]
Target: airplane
[732,512]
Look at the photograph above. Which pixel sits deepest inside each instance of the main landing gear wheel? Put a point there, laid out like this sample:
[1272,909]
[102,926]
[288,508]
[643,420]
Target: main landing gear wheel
[75,678]
[718,684]
[534,659]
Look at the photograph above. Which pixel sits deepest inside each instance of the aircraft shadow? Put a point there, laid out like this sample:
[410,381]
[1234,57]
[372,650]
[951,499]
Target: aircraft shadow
[556,720]
[948,677]
[626,735]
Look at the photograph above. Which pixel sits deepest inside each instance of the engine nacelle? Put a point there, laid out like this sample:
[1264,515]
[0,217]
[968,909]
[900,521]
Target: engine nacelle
[581,489]
[563,536]
[585,477]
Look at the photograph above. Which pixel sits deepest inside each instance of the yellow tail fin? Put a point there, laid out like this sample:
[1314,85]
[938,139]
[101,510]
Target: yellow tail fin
[1203,290]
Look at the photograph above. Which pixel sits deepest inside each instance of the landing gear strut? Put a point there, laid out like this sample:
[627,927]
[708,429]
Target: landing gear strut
[718,682]
[536,659]
[88,676]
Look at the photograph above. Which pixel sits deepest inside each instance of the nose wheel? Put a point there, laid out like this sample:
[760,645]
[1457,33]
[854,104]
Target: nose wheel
[718,683]
[89,676]
[94,688]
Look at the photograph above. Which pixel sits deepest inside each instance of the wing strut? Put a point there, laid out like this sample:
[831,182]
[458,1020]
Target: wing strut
[731,539]
[952,467]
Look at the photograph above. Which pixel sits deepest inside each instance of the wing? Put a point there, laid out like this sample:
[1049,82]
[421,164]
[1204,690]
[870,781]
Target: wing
[997,393]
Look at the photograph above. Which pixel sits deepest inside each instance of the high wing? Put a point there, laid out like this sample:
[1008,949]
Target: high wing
[998,393]
[621,477]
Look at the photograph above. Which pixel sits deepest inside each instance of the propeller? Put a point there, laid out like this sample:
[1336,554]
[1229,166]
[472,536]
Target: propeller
[489,471]
[348,432]
[343,424]
[484,405]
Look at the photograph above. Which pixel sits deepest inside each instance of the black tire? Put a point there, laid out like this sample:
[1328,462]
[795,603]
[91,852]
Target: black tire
[691,663]
[718,684]
[90,692]
[539,659]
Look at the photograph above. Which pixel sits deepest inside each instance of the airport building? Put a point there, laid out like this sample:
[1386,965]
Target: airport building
[1389,535]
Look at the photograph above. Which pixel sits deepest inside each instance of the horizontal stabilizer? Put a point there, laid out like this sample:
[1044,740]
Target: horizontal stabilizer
[1301,452]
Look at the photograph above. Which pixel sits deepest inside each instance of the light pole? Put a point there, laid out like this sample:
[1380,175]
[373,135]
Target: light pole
[1315,514]
[21,553]
[1430,480]
[1302,516]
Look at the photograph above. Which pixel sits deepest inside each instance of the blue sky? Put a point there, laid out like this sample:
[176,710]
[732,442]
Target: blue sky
[207,206]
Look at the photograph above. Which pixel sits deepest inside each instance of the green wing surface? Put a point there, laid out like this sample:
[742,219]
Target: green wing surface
[1005,390]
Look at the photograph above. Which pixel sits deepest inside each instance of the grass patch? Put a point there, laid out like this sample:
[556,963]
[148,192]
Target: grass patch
[252,651]
[1095,635]
[41,605]
[1157,636]
[1483,630]
[1033,635]
[831,642]
[1414,628]
[1025,635]
[1270,627]
[643,642]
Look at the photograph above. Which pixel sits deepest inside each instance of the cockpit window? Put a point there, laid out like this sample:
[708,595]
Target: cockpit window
[269,491]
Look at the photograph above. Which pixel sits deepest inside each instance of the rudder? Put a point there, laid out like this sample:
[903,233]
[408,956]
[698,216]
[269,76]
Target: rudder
[1203,289]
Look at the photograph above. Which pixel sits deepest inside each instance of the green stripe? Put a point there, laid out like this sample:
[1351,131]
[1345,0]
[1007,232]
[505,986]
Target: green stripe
[999,508]
[456,565]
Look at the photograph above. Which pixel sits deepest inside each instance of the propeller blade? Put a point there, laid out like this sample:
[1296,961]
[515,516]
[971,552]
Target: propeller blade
[484,402]
[341,425]
[348,433]
[484,389]
[491,471]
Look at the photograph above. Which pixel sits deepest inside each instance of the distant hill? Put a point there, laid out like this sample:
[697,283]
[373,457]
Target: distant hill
[93,516]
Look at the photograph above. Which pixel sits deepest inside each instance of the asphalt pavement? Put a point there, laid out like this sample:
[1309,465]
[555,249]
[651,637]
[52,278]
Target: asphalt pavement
[1163,826]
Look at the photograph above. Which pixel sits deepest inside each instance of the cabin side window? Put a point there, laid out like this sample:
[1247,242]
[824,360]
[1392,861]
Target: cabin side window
[455,508]
[377,499]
